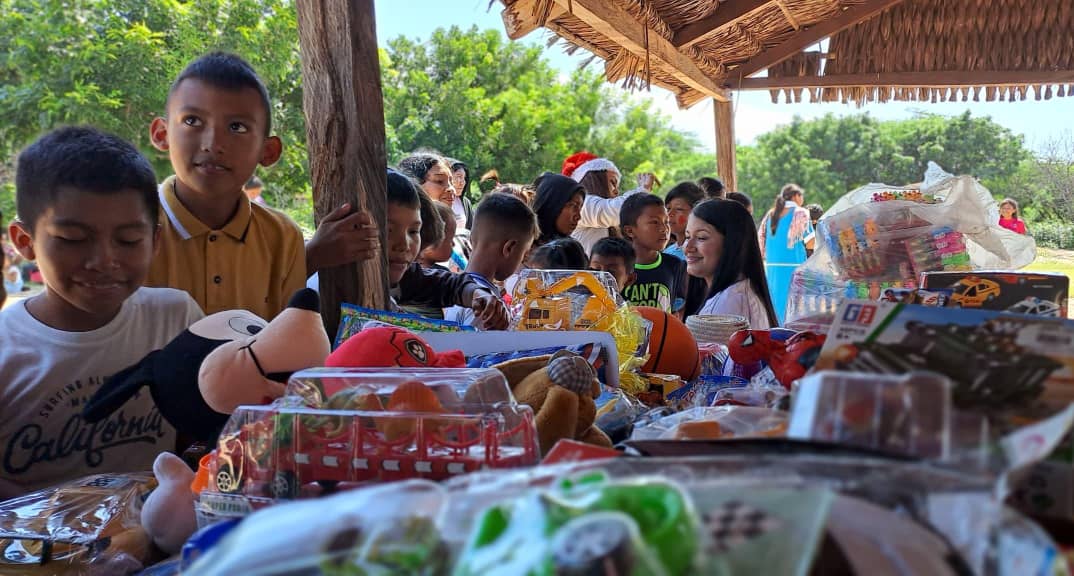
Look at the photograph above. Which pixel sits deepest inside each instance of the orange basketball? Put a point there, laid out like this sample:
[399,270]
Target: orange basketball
[672,348]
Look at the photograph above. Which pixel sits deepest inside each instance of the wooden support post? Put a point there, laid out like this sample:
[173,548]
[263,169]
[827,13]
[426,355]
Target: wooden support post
[344,108]
[725,143]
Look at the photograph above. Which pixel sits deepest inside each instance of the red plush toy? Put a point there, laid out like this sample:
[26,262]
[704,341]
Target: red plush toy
[386,346]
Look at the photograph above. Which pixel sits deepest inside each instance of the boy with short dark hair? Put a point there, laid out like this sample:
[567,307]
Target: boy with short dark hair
[501,234]
[616,257]
[88,215]
[660,278]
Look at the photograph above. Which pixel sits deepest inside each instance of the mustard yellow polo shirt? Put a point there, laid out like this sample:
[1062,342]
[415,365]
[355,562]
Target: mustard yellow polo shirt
[255,262]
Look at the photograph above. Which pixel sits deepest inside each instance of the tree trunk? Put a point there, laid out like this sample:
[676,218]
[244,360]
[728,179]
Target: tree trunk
[344,111]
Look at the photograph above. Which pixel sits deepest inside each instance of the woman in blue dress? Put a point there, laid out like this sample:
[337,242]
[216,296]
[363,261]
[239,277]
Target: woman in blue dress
[785,233]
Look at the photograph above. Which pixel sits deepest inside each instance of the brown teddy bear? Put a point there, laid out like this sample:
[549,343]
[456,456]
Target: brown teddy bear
[560,388]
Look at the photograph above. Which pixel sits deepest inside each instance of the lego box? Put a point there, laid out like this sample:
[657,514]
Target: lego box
[1021,366]
[1035,293]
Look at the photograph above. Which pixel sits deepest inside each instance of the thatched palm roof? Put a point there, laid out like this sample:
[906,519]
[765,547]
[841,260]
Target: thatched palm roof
[879,50]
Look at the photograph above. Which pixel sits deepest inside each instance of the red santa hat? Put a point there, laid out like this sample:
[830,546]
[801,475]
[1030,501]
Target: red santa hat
[576,166]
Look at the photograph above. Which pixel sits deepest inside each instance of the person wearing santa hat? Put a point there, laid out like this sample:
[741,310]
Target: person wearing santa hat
[600,210]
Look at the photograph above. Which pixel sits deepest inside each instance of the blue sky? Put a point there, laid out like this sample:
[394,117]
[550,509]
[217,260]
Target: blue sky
[1040,122]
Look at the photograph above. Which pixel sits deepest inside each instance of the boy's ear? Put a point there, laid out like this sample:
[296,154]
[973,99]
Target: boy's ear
[628,232]
[21,239]
[272,151]
[158,133]
[509,247]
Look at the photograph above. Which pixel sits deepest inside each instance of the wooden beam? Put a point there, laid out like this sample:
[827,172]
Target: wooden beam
[911,80]
[726,13]
[521,18]
[810,35]
[623,29]
[724,113]
[344,109]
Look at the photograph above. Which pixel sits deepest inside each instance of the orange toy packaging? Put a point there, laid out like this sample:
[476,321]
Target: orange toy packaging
[339,426]
[563,299]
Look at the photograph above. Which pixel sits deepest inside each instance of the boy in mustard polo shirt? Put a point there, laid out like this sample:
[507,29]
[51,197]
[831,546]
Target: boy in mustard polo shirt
[227,252]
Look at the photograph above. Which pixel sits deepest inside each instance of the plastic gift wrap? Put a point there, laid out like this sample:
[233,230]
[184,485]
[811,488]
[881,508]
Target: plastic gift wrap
[384,530]
[715,423]
[88,526]
[880,237]
[562,299]
[354,425]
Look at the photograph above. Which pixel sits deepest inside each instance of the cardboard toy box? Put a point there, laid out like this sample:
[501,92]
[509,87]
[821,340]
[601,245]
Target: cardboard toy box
[1035,293]
[998,362]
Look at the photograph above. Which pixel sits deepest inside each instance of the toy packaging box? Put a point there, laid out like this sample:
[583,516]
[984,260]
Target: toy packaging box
[1035,293]
[999,363]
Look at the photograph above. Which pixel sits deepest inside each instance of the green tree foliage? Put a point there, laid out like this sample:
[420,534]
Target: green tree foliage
[832,155]
[499,105]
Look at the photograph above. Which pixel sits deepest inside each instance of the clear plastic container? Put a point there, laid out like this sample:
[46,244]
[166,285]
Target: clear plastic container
[908,414]
[364,425]
[563,299]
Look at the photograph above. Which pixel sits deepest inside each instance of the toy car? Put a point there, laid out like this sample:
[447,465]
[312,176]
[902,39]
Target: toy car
[358,437]
[972,292]
[1036,307]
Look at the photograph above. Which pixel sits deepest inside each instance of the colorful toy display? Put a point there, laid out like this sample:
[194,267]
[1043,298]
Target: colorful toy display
[360,425]
[672,348]
[563,299]
[384,346]
[789,359]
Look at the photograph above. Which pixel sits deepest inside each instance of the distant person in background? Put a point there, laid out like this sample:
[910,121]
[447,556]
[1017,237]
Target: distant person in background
[784,235]
[1009,217]
[559,254]
[600,211]
[523,192]
[440,255]
[558,205]
[433,175]
[461,207]
[713,187]
[12,277]
[252,188]
[815,214]
[680,201]
[743,199]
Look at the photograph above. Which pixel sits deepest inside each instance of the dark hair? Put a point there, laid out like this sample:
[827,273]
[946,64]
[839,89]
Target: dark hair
[417,165]
[506,215]
[560,254]
[226,71]
[634,205]
[403,190]
[432,225]
[713,187]
[815,211]
[615,248]
[554,191]
[595,183]
[523,192]
[254,182]
[741,253]
[788,192]
[459,165]
[84,159]
[741,197]
[687,192]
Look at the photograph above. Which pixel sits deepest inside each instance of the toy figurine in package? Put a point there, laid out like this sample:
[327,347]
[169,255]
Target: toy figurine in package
[1033,293]
[358,425]
[998,363]
[877,239]
[87,526]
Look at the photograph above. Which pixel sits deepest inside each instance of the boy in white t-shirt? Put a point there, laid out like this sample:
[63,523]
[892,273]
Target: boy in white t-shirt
[88,214]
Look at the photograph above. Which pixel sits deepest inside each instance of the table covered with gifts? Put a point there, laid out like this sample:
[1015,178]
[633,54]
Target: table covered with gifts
[913,418]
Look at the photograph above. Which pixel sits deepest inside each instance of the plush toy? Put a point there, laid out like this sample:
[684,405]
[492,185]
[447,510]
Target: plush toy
[294,340]
[168,512]
[386,346]
[561,389]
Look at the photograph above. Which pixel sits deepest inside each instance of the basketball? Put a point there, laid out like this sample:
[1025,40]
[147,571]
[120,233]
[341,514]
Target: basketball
[672,348]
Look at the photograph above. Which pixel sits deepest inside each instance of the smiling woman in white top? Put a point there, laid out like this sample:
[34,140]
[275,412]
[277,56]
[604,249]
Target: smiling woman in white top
[721,249]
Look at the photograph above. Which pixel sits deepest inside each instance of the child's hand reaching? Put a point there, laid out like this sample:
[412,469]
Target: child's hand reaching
[490,313]
[344,236]
[647,180]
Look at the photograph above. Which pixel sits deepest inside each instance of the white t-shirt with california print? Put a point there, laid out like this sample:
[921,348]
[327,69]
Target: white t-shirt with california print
[47,375]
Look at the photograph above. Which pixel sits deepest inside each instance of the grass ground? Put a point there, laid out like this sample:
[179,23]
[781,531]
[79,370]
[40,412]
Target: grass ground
[1049,260]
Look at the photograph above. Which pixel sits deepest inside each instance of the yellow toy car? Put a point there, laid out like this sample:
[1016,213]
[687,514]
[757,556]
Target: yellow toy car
[972,292]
